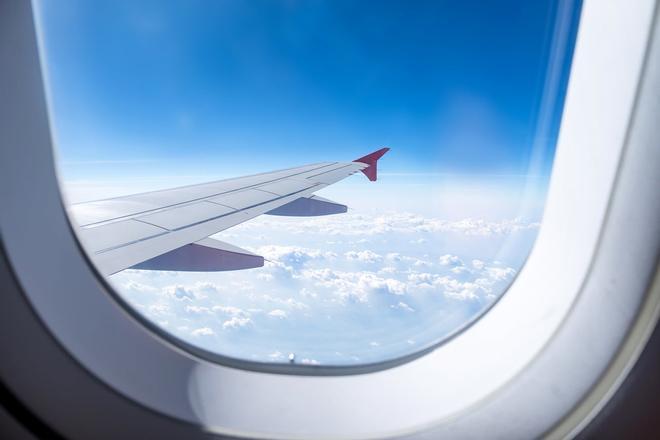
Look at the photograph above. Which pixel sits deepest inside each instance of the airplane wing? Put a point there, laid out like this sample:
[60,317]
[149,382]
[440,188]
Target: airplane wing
[169,229]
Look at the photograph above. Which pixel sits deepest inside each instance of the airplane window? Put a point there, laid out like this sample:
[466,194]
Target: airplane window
[310,183]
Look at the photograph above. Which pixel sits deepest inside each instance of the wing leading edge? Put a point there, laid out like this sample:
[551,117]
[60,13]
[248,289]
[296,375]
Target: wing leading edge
[169,229]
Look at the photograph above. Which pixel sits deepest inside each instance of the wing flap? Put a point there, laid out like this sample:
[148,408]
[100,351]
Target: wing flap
[90,213]
[182,216]
[206,255]
[111,235]
[282,187]
[243,199]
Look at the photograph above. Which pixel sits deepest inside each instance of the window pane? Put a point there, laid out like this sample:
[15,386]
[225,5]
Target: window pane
[468,95]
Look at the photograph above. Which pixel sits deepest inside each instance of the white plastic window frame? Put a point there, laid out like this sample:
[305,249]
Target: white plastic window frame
[516,372]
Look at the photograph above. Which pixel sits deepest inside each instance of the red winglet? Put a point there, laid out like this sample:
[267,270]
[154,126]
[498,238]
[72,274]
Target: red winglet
[371,160]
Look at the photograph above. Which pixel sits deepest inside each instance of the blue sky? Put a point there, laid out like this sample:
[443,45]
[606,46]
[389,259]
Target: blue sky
[450,86]
[147,95]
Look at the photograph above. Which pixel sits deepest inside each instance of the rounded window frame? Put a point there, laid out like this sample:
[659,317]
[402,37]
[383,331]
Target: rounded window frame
[128,357]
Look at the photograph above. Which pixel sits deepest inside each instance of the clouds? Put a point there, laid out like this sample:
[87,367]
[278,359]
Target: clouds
[478,264]
[403,306]
[500,273]
[182,293]
[330,286]
[203,331]
[388,223]
[236,322]
[356,286]
[230,310]
[450,260]
[292,256]
[278,313]
[366,256]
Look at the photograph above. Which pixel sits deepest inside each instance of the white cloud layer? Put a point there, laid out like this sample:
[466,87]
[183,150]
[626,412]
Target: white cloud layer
[390,223]
[337,289]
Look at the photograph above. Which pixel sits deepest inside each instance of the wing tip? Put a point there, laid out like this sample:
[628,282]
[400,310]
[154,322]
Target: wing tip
[371,159]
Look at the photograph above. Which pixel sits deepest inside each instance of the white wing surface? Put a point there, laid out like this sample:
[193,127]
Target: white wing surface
[168,229]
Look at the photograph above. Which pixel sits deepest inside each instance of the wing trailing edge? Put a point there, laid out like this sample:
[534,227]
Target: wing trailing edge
[372,160]
[206,255]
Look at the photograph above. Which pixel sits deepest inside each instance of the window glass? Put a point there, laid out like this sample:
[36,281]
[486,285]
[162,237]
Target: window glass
[148,95]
